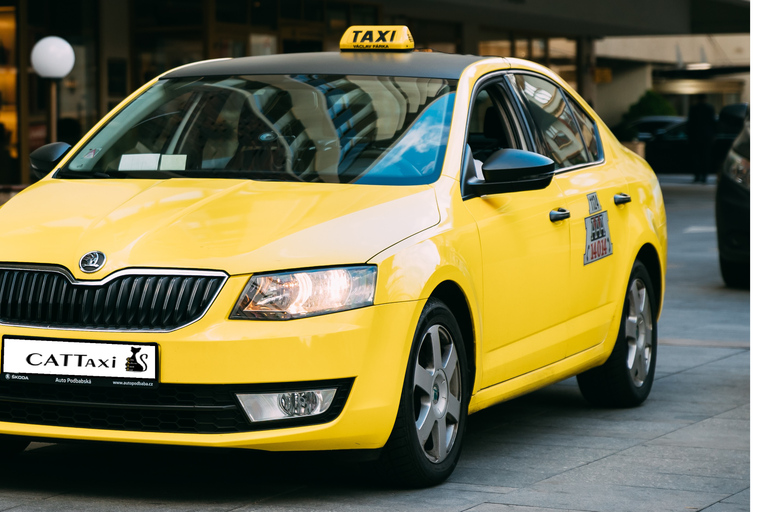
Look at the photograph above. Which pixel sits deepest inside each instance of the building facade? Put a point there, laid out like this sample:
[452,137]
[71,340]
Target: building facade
[120,44]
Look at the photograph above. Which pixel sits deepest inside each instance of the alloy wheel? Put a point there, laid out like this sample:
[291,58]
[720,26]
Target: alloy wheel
[639,332]
[437,393]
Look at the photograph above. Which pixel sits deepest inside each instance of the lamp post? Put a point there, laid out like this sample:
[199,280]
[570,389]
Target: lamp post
[54,58]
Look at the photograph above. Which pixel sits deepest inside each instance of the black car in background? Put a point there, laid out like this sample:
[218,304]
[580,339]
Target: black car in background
[668,152]
[645,128]
[732,213]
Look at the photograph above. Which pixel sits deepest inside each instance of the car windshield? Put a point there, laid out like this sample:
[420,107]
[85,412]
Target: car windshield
[311,128]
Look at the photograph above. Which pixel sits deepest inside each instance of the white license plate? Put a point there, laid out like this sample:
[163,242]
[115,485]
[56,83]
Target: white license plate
[77,362]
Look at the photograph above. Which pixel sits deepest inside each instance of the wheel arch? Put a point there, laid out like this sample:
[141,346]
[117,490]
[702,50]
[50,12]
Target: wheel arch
[649,257]
[450,293]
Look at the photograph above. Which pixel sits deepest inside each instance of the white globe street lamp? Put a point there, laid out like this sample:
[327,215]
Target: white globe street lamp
[54,58]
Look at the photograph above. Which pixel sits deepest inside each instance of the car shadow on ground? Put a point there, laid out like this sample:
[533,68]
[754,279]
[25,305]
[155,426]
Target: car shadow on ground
[147,472]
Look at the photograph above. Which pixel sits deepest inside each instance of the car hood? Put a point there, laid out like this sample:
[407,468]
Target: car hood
[236,226]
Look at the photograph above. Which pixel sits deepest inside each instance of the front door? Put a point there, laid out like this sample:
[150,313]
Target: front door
[525,255]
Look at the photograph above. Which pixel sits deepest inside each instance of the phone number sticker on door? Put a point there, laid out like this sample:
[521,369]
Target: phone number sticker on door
[598,238]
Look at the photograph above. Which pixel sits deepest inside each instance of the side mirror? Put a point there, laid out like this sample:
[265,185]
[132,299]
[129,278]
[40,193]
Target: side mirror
[509,170]
[43,160]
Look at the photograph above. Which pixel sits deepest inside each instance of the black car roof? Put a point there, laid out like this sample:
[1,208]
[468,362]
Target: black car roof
[410,64]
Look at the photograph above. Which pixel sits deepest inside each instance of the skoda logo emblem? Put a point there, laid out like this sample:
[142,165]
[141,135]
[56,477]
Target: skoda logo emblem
[92,262]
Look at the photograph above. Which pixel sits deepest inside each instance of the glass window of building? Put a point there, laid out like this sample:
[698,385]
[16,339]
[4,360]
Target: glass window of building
[162,41]
[313,10]
[364,14]
[539,50]
[263,44]
[165,13]
[500,48]
[290,9]
[337,16]
[9,121]
[264,13]
[562,59]
[228,11]
[78,93]
[522,48]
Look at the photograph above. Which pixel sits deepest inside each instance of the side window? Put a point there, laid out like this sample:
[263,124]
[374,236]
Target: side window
[489,124]
[553,118]
[678,132]
[588,130]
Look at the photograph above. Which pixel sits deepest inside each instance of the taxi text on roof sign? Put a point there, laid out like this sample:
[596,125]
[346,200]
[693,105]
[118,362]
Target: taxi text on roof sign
[377,37]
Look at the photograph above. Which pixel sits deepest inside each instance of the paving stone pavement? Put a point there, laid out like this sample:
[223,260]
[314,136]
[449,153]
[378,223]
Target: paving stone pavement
[686,448]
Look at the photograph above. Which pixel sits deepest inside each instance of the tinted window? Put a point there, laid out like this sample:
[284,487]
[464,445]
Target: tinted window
[650,126]
[677,132]
[327,128]
[731,119]
[588,131]
[487,126]
[554,120]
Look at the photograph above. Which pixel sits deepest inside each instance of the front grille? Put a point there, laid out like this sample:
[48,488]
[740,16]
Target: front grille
[170,408]
[128,300]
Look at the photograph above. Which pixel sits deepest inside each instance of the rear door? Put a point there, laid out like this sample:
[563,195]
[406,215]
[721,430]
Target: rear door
[592,188]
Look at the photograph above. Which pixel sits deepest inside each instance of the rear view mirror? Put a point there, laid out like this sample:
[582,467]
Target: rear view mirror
[44,159]
[508,170]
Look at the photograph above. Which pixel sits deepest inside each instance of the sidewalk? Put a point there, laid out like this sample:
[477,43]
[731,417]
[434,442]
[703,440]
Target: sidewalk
[8,191]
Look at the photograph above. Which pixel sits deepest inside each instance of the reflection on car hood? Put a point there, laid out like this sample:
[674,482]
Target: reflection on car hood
[235,226]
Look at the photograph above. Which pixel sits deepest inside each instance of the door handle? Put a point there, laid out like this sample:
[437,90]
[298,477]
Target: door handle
[559,214]
[622,199]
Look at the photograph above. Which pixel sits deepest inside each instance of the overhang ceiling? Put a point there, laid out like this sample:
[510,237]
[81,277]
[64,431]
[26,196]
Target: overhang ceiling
[594,18]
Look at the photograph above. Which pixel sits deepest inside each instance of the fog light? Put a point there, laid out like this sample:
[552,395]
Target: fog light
[283,406]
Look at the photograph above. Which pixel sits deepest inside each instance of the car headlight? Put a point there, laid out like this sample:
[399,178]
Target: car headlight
[289,295]
[736,168]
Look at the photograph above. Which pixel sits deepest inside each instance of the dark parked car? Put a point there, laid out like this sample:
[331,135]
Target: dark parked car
[645,128]
[732,213]
[668,152]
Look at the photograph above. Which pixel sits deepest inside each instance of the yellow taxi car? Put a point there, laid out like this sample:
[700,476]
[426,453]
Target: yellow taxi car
[332,251]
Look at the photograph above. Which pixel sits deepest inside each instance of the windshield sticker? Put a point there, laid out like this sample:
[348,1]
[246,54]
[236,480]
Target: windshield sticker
[598,238]
[173,162]
[594,203]
[145,162]
[92,153]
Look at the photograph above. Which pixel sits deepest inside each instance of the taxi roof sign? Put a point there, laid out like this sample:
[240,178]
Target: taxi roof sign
[377,37]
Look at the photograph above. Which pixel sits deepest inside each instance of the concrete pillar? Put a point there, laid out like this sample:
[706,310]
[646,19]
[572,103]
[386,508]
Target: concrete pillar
[23,92]
[585,67]
[113,51]
[470,37]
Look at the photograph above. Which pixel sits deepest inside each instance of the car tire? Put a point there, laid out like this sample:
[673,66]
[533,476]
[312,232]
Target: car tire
[424,446]
[12,445]
[625,379]
[735,274]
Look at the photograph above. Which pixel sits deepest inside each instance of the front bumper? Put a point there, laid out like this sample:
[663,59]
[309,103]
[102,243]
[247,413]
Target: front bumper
[368,348]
